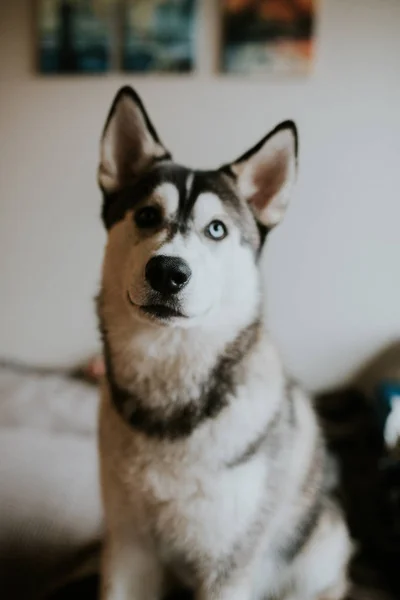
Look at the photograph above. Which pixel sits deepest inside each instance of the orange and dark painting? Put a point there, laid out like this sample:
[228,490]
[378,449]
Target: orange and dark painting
[268,36]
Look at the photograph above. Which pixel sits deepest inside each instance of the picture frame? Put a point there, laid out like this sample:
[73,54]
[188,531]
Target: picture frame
[274,37]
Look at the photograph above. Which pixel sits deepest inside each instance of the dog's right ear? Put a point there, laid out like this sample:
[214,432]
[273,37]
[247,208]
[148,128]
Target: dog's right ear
[129,143]
[265,174]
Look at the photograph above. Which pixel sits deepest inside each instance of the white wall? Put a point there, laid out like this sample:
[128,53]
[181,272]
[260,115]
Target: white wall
[333,267]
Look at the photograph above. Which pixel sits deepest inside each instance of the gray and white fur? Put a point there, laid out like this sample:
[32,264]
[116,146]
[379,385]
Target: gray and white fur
[212,463]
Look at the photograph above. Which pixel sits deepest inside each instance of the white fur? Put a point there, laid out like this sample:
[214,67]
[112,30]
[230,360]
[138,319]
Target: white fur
[189,184]
[207,208]
[168,197]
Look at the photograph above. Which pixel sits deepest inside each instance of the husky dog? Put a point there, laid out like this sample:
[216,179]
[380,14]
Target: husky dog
[212,463]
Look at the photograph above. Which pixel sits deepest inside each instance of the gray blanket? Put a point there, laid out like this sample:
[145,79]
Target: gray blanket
[50,514]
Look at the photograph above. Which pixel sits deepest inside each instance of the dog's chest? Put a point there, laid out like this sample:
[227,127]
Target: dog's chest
[190,507]
[185,502]
[186,495]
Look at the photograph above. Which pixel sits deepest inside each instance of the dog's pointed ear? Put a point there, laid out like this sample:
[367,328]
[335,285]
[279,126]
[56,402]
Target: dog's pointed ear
[129,143]
[265,175]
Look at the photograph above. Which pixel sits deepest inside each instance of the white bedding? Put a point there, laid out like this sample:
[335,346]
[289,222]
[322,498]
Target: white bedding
[50,514]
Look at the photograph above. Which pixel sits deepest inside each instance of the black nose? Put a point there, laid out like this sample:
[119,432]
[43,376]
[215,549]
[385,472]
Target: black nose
[167,274]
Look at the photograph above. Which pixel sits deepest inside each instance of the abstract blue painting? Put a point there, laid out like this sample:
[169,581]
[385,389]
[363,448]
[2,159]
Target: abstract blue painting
[74,36]
[159,36]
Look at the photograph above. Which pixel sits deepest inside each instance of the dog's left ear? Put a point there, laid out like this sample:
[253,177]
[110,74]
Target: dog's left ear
[265,175]
[129,144]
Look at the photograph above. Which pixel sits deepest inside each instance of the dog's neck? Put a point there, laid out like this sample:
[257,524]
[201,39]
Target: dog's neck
[144,357]
[157,371]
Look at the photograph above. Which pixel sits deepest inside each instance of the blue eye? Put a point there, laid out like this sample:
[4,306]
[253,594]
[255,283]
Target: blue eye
[216,230]
[148,217]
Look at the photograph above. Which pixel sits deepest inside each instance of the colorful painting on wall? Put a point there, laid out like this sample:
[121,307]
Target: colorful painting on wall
[268,36]
[74,36]
[159,36]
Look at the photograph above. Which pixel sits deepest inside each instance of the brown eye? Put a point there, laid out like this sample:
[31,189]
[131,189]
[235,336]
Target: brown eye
[216,230]
[148,217]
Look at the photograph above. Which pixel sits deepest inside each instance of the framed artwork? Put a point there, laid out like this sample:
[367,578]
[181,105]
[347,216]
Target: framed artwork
[267,36]
[159,36]
[74,36]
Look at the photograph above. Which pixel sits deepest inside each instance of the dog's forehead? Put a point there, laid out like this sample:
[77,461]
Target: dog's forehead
[187,196]
[185,192]
[179,189]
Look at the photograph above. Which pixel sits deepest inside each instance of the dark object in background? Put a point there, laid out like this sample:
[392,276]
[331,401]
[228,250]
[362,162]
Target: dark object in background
[369,490]
[87,589]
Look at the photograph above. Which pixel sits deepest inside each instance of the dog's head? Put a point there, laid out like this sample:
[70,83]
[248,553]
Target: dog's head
[183,244]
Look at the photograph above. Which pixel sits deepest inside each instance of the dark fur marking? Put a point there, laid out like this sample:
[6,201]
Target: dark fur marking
[304,530]
[263,231]
[182,421]
[241,552]
[312,486]
[254,446]
[116,205]
[290,401]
